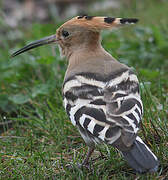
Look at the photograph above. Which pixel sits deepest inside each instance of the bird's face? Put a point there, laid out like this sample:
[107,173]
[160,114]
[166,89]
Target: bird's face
[81,32]
[67,37]
[71,38]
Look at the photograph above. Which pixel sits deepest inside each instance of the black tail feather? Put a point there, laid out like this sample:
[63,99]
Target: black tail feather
[141,158]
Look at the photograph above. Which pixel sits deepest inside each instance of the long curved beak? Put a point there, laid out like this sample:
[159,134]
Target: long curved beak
[41,42]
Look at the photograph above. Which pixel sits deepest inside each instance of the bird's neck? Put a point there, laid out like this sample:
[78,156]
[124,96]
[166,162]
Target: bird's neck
[84,54]
[85,47]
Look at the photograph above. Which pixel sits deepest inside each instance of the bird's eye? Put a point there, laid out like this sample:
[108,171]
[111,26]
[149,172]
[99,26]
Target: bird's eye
[65,33]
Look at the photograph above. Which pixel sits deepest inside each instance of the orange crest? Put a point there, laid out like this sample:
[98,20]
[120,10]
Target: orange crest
[97,23]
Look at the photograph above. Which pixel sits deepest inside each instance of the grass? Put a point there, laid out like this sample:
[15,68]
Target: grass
[41,142]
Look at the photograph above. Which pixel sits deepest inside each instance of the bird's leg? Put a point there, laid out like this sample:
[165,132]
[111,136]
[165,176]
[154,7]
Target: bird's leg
[89,153]
[85,162]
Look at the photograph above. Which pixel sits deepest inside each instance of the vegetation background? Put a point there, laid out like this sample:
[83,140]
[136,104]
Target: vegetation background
[37,140]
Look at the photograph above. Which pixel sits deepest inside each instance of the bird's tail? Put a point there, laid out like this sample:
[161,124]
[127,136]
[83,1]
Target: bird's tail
[141,158]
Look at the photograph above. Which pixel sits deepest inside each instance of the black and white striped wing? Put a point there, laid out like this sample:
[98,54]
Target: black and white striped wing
[105,109]
[84,104]
[123,106]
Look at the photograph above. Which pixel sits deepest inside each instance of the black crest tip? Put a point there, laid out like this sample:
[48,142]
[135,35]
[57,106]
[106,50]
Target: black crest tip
[129,20]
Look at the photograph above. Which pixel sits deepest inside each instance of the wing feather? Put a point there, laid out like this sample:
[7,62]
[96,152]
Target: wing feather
[124,105]
[107,109]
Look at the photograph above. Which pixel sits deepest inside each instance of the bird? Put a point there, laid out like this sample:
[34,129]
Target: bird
[101,95]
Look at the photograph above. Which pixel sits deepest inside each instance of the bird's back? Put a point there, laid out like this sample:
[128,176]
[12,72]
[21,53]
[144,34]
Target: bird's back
[102,65]
[94,104]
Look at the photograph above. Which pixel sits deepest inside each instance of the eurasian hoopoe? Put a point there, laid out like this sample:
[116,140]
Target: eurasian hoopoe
[101,96]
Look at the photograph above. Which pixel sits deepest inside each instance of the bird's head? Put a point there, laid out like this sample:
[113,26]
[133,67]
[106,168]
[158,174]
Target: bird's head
[81,32]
